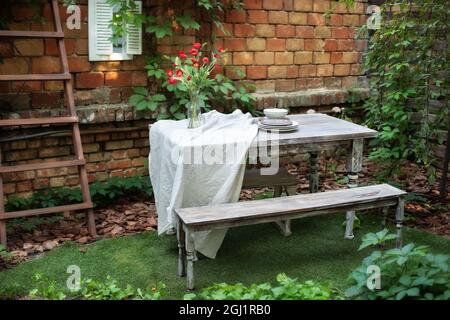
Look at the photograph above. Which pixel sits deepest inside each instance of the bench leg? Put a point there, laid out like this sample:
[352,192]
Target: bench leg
[313,172]
[349,225]
[277,191]
[399,220]
[181,250]
[190,253]
[285,227]
[3,240]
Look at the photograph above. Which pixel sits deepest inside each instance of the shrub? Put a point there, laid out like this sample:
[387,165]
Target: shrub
[287,289]
[93,290]
[410,272]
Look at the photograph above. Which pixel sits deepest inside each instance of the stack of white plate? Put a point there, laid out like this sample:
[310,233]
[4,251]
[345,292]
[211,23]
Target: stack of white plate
[281,124]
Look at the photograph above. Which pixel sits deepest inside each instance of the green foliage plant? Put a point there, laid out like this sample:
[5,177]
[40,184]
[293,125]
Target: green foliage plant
[410,272]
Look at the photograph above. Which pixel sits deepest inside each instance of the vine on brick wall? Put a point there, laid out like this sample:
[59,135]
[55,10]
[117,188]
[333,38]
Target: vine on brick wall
[408,65]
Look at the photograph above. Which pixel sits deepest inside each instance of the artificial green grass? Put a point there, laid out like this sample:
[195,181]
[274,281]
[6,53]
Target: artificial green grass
[316,250]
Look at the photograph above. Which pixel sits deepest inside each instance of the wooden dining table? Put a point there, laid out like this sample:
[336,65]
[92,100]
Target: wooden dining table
[315,133]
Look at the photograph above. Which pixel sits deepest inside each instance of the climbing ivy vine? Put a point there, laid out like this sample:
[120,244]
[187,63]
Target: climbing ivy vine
[408,65]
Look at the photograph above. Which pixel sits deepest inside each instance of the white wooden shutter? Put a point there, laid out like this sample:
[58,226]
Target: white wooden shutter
[134,34]
[100,33]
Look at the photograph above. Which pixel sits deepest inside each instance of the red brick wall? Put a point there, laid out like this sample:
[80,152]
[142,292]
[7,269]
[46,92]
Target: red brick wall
[284,46]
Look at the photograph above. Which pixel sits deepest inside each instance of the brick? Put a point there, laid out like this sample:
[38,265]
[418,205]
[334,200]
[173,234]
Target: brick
[321,5]
[14,66]
[6,50]
[304,32]
[284,58]
[119,154]
[9,188]
[350,20]
[278,17]
[119,79]
[325,70]
[57,182]
[253,4]
[321,58]
[91,147]
[284,85]
[273,4]
[298,18]
[256,44]
[118,164]
[285,31]
[81,46]
[53,85]
[244,30]
[307,71]
[236,15]
[258,16]
[54,152]
[25,86]
[303,5]
[242,58]
[41,184]
[139,162]
[336,20]
[227,32]
[265,30]
[322,32]
[303,57]
[107,66]
[341,69]
[18,145]
[356,69]
[234,44]
[276,44]
[264,58]
[314,45]
[316,19]
[265,86]
[79,64]
[29,47]
[139,78]
[89,80]
[45,65]
[295,44]
[350,57]
[277,72]
[121,144]
[46,99]
[340,33]
[346,45]
[330,45]
[23,13]
[336,57]
[292,71]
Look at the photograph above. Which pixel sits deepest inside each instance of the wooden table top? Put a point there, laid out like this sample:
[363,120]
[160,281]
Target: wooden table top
[318,127]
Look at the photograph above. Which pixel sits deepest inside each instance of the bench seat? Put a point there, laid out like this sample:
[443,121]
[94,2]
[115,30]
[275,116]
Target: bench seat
[191,220]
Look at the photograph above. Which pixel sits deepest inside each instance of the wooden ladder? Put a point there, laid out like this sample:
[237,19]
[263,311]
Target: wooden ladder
[72,120]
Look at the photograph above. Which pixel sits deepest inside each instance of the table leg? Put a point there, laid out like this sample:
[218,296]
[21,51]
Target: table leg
[181,249]
[399,220]
[313,172]
[354,165]
[190,253]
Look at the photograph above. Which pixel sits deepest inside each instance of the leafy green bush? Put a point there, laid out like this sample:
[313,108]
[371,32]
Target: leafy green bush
[102,193]
[410,272]
[93,290]
[288,289]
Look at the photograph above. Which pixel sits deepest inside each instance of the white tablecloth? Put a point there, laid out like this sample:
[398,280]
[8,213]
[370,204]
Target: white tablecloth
[197,167]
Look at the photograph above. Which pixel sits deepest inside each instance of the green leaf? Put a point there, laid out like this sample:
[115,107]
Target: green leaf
[187,22]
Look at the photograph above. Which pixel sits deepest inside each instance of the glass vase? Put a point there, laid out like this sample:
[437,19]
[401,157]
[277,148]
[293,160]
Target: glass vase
[194,111]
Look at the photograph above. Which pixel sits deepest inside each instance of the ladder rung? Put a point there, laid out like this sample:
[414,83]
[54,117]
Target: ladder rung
[37,121]
[36,212]
[35,77]
[31,34]
[45,165]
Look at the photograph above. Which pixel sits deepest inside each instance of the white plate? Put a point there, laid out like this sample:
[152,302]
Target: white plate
[292,127]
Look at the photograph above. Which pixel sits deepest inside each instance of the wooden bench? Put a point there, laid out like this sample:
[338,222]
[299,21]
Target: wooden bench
[191,220]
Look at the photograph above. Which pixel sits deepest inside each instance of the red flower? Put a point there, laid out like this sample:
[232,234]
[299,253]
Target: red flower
[179,73]
[196,65]
[194,52]
[197,45]
[174,64]
[216,56]
[193,60]
[172,80]
[182,55]
[205,60]
[220,50]
[188,78]
[169,73]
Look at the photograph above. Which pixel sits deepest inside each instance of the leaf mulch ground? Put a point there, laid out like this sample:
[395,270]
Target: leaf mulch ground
[28,239]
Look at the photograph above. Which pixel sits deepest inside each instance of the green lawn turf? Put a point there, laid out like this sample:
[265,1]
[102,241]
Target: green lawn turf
[316,250]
